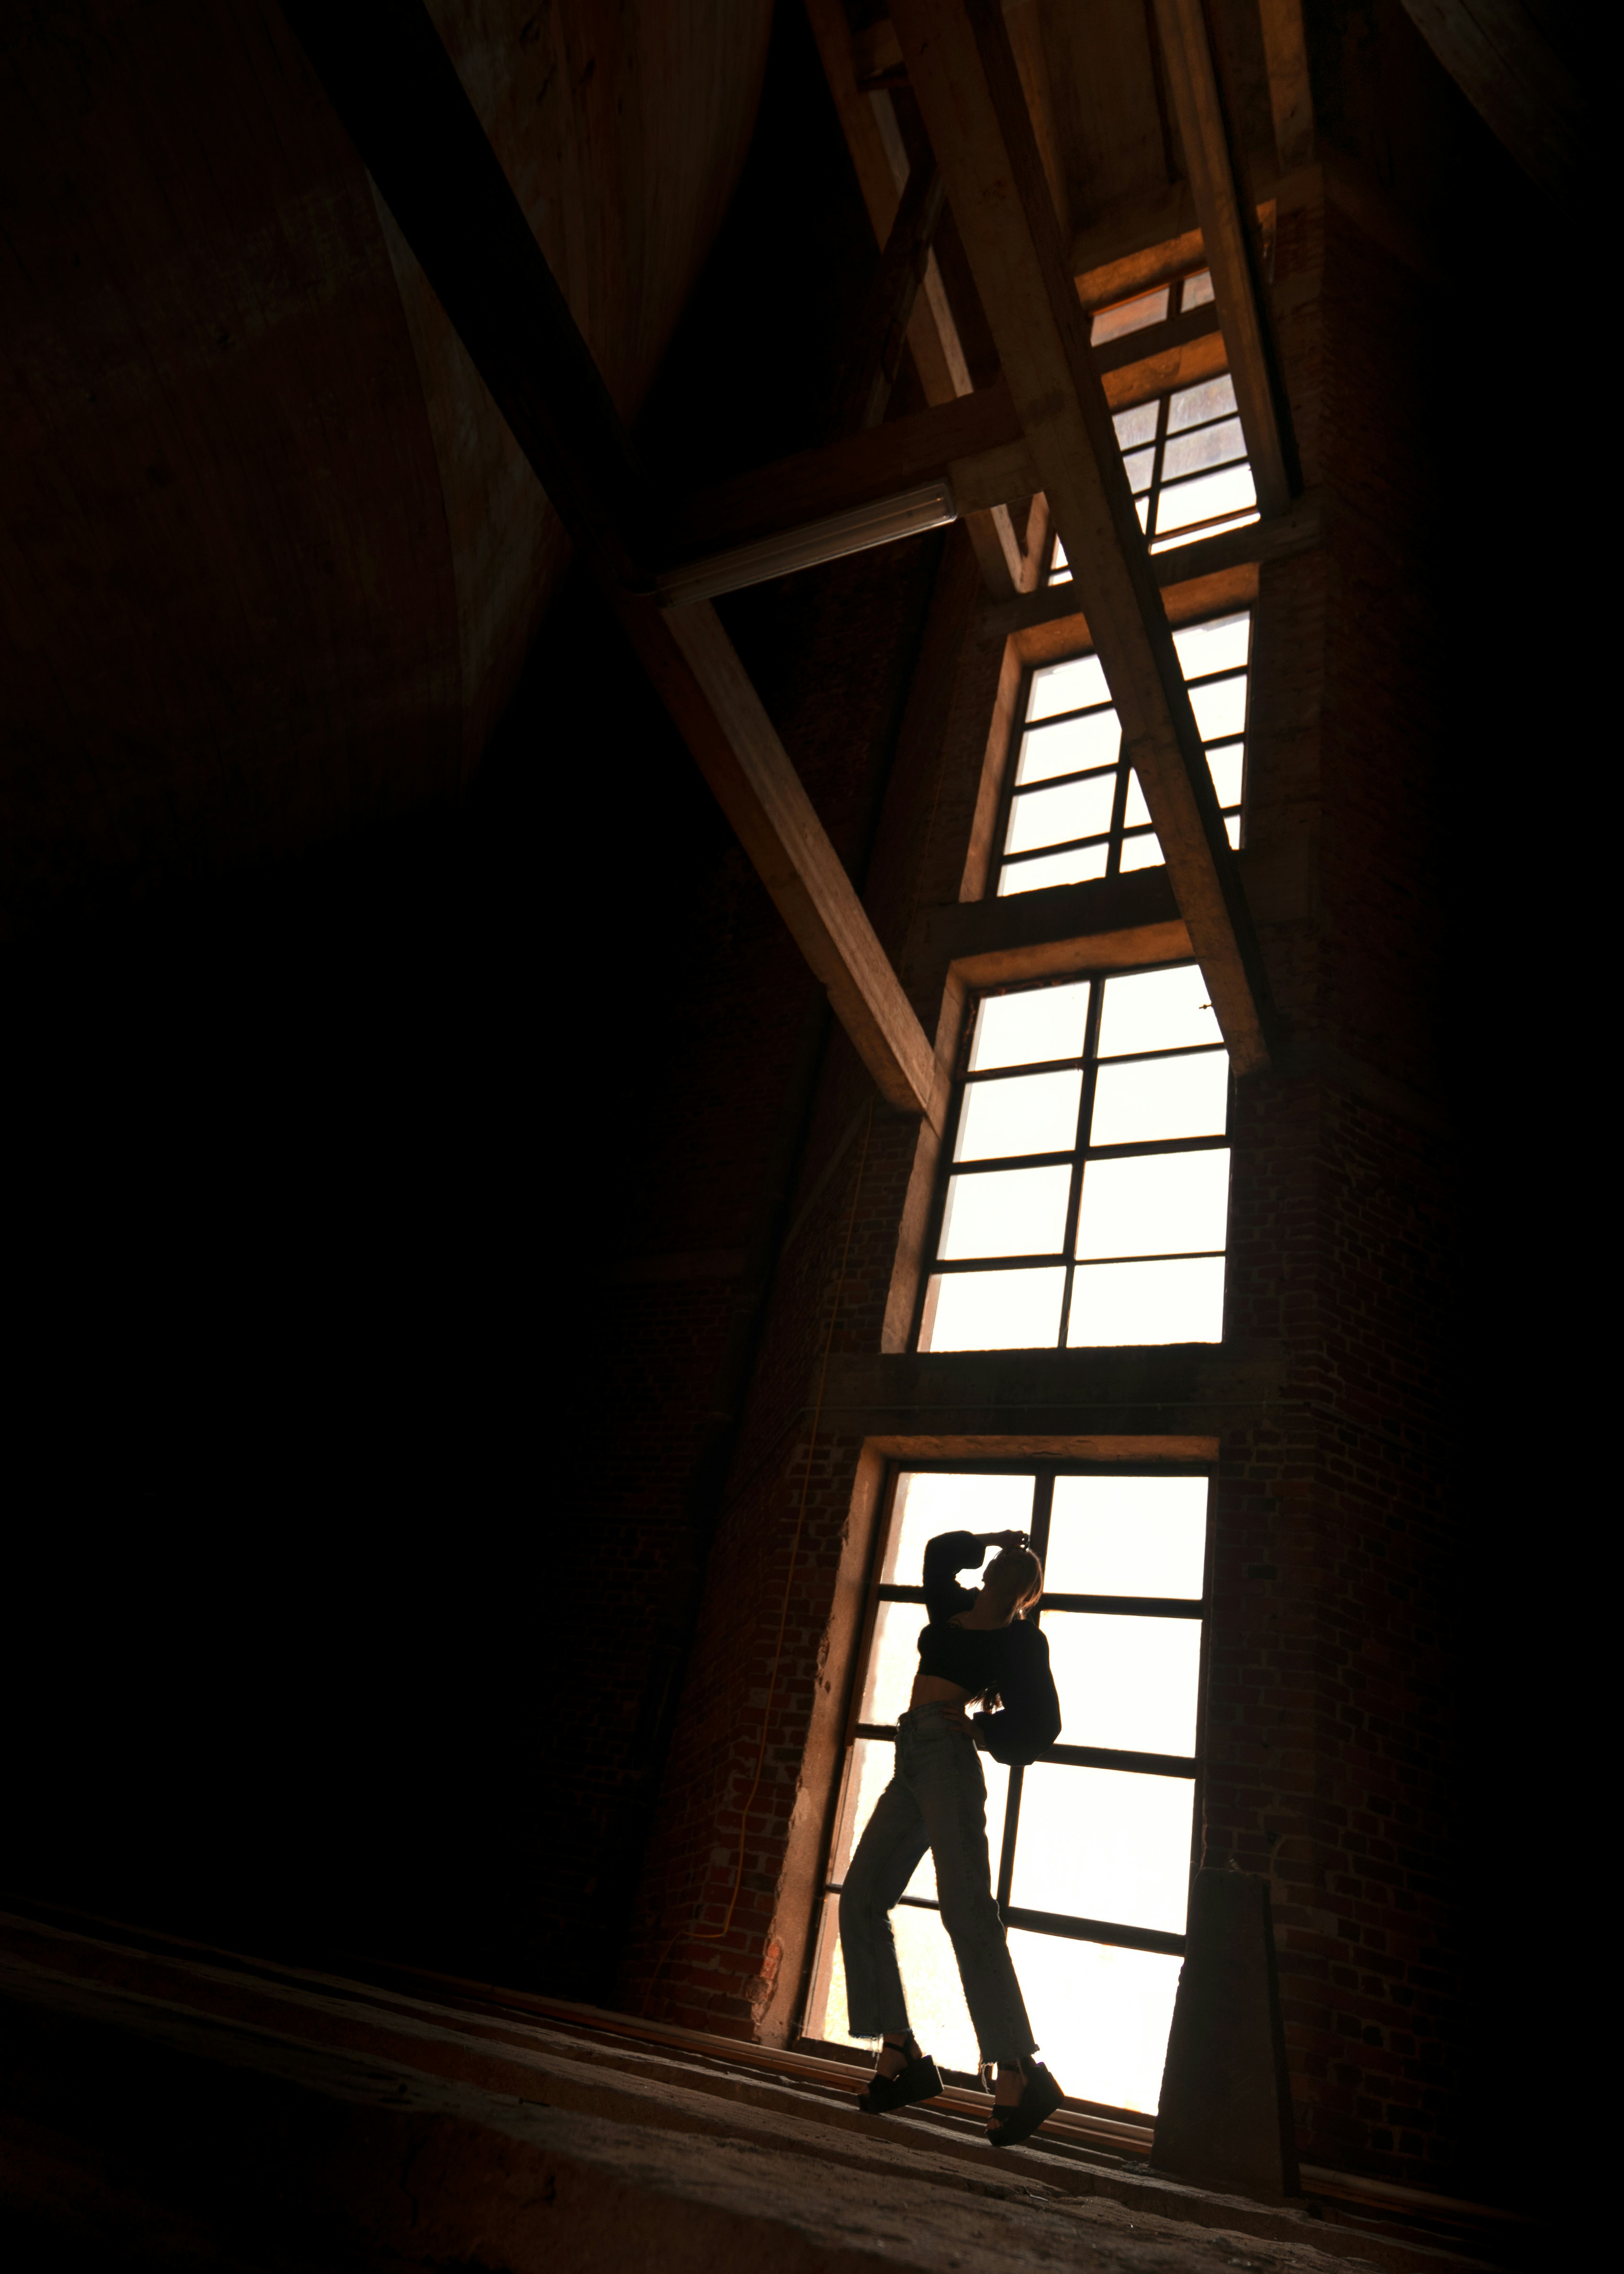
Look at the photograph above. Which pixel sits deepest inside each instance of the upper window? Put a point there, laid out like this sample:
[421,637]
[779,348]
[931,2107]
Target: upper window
[1076,810]
[1184,449]
[1085,1199]
[1154,307]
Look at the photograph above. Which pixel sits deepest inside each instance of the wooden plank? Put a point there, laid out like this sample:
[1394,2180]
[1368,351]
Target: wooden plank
[418,133]
[1231,243]
[1291,101]
[708,692]
[964,77]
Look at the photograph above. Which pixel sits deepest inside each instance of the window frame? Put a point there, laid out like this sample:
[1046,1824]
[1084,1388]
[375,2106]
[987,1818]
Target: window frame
[1120,832]
[1044,1469]
[948,1166]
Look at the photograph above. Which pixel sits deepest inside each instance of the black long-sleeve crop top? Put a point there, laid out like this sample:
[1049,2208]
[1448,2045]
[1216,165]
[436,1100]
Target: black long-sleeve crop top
[1011,1662]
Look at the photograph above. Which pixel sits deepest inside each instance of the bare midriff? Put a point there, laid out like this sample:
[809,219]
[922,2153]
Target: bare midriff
[931,1690]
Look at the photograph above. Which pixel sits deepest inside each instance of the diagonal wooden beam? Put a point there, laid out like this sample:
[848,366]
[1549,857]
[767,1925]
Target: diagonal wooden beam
[397,93]
[964,76]
[1233,252]
[1292,96]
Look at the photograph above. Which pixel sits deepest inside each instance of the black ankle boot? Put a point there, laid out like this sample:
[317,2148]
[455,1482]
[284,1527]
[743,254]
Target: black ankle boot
[1039,2096]
[919,2080]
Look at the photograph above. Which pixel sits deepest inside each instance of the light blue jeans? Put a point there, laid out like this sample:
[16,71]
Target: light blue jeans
[937,1799]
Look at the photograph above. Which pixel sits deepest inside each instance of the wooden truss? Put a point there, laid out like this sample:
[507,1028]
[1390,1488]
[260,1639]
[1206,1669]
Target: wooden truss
[1044,429]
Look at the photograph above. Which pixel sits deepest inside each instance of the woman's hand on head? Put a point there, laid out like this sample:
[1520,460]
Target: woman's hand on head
[1004,1539]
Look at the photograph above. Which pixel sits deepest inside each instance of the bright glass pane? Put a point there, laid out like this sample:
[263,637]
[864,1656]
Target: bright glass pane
[1214,398]
[1232,831]
[1157,1204]
[1129,1683]
[1012,1212]
[1037,876]
[1140,853]
[1136,425]
[1023,1113]
[1074,746]
[1140,465]
[1198,291]
[1077,685]
[1226,766]
[1207,445]
[1117,1303]
[1049,817]
[929,1503]
[994,1310]
[1165,1009]
[1220,708]
[1103,2016]
[1045,1022]
[1226,492]
[1059,573]
[1161,1097]
[1136,812]
[1141,507]
[892,1662]
[1127,1536]
[1104,1844]
[1130,316]
[1224,644]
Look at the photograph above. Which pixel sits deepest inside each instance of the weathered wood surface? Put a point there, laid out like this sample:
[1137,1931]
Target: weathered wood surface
[1230,238]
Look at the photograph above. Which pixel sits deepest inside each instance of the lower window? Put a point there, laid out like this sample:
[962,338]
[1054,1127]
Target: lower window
[1091,1848]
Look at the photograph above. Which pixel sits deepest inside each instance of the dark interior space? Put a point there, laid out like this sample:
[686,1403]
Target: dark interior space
[439,1207]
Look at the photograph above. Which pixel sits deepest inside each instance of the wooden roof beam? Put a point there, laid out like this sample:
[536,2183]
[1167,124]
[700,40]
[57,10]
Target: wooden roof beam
[964,77]
[397,93]
[1233,253]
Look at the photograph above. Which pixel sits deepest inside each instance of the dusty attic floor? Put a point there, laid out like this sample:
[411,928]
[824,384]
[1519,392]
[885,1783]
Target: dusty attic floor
[170,2106]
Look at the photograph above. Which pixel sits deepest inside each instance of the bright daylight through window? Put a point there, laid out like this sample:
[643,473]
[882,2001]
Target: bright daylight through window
[1184,449]
[1076,810]
[1091,1846]
[1087,1196]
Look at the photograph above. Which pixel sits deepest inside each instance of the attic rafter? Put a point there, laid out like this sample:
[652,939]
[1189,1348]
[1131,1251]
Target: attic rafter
[963,74]
[1228,238]
[389,78]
